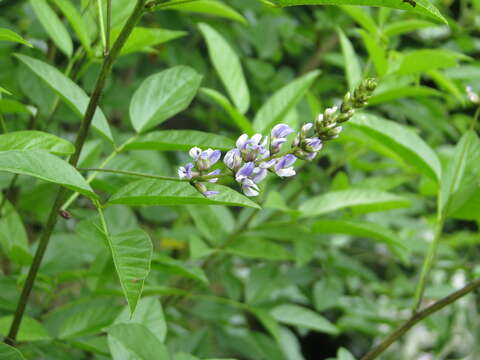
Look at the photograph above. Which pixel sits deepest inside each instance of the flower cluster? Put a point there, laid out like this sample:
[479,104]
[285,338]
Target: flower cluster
[253,157]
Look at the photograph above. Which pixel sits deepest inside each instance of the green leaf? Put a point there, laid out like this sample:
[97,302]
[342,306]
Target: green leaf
[210,7]
[165,264]
[401,27]
[400,143]
[75,19]
[344,354]
[30,329]
[52,24]
[376,51]
[184,140]
[228,67]
[362,17]
[159,192]
[68,91]
[276,108]
[422,7]
[131,253]
[364,200]
[299,316]
[460,179]
[5,91]
[358,228]
[401,92]
[240,120]
[13,236]
[45,166]
[9,35]
[149,314]
[8,352]
[258,249]
[353,71]
[139,341]
[423,60]
[162,95]
[35,140]
[9,106]
[143,39]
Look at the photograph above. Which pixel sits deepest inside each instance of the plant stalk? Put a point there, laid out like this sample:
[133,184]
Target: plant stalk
[419,316]
[80,140]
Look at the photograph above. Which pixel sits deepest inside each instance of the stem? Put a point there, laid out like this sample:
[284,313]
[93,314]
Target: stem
[156,5]
[158,177]
[81,137]
[419,316]
[109,25]
[3,127]
[102,26]
[475,119]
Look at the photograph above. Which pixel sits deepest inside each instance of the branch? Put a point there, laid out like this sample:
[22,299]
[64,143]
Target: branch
[79,142]
[419,316]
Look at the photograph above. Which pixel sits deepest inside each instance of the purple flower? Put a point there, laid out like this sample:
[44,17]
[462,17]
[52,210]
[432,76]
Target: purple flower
[210,193]
[283,166]
[233,159]
[214,172]
[185,172]
[248,176]
[252,149]
[204,159]
[312,144]
[279,135]
[472,96]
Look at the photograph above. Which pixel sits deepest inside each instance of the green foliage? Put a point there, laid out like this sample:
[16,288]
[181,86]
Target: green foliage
[151,263]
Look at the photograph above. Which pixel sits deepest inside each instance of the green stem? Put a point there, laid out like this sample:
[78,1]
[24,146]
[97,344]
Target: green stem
[109,158]
[158,177]
[102,26]
[419,316]
[109,26]
[157,5]
[3,127]
[80,140]
[475,119]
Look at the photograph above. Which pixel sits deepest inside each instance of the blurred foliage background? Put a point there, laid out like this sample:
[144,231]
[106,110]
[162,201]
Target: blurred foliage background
[331,260]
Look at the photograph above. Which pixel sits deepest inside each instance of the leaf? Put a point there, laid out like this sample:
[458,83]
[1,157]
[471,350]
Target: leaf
[227,66]
[131,253]
[422,7]
[165,264]
[364,200]
[362,17]
[460,179]
[68,91]
[418,61]
[184,140]
[401,142]
[13,236]
[353,70]
[276,108]
[240,120]
[258,249]
[53,26]
[142,38]
[8,352]
[401,92]
[159,192]
[299,316]
[35,140]
[210,7]
[162,95]
[9,35]
[376,51]
[139,341]
[75,19]
[344,354]
[5,91]
[30,329]
[149,314]
[45,166]
[401,27]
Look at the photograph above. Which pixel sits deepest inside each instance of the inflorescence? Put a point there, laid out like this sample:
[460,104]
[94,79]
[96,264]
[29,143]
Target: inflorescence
[253,157]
